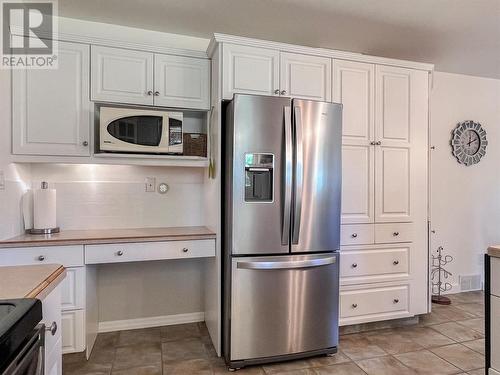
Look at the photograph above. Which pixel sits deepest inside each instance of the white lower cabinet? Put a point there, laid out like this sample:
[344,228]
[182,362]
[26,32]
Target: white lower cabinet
[73,331]
[73,289]
[51,316]
[495,331]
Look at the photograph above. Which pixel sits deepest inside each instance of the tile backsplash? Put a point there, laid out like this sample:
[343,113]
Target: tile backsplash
[103,196]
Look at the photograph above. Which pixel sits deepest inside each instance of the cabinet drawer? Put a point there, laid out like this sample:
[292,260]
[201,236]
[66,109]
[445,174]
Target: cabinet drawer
[383,302]
[132,252]
[495,276]
[51,316]
[393,232]
[73,289]
[73,331]
[375,263]
[68,256]
[357,234]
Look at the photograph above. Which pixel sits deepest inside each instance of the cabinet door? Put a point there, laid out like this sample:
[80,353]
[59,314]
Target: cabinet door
[306,77]
[250,70]
[495,332]
[51,108]
[73,331]
[401,123]
[121,76]
[357,183]
[181,82]
[353,86]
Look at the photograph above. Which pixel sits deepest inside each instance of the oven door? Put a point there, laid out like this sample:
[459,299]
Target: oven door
[29,360]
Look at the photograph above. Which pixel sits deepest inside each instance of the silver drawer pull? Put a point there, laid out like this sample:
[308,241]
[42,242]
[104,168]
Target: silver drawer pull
[354,305]
[396,300]
[41,258]
[396,262]
[52,329]
[395,234]
[354,235]
[185,250]
[354,265]
[119,253]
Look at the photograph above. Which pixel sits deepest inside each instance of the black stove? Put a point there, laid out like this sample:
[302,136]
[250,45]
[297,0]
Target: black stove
[19,318]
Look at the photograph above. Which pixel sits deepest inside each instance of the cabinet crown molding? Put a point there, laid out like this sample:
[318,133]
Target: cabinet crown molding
[324,52]
[108,42]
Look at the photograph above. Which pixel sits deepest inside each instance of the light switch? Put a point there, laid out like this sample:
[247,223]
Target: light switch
[150,184]
[2,180]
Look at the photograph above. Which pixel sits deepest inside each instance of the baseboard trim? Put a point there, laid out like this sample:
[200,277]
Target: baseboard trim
[154,321]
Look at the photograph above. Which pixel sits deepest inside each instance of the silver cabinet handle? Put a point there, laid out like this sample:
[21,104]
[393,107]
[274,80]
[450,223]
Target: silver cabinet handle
[287,175]
[41,258]
[277,265]
[396,300]
[157,93]
[354,305]
[395,234]
[119,253]
[373,143]
[52,329]
[277,91]
[354,235]
[354,265]
[396,262]
[185,250]
[283,92]
[150,93]
[85,143]
[378,143]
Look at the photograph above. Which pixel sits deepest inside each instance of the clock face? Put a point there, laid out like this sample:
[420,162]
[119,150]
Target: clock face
[469,142]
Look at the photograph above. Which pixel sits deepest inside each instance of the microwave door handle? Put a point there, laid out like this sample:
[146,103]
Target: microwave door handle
[287,176]
[298,174]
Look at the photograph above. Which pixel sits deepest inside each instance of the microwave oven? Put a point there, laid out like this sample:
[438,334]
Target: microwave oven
[140,131]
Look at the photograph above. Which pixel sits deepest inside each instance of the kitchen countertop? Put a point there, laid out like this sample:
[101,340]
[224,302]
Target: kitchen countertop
[494,251]
[103,236]
[35,281]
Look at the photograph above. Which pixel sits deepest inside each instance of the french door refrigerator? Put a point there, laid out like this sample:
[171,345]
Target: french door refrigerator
[282,193]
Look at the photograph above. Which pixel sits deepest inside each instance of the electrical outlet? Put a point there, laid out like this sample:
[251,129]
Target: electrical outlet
[150,184]
[2,180]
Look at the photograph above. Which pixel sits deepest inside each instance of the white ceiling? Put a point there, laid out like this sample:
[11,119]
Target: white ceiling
[460,36]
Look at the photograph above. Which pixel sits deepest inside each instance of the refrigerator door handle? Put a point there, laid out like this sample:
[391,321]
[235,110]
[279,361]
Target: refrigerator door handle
[277,265]
[285,230]
[299,175]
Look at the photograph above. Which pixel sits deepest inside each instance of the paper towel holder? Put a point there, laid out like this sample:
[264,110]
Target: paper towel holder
[44,185]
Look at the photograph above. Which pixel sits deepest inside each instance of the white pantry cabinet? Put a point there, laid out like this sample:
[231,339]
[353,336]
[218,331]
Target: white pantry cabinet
[137,77]
[305,77]
[121,75]
[182,82]
[51,108]
[250,70]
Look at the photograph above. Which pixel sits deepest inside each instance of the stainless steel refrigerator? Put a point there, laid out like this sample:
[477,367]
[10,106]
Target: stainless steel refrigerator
[281,209]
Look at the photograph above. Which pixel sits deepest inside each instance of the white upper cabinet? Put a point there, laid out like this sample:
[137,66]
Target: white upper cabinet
[250,70]
[354,86]
[305,77]
[51,108]
[401,131]
[123,76]
[181,82]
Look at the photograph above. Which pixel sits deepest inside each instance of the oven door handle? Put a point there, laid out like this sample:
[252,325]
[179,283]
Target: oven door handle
[34,347]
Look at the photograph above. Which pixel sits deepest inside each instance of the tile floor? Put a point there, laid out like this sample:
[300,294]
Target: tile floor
[450,340]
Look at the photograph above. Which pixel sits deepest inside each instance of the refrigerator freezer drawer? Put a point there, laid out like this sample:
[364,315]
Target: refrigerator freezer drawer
[283,305]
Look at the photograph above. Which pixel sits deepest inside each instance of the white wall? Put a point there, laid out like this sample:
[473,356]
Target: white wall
[465,201]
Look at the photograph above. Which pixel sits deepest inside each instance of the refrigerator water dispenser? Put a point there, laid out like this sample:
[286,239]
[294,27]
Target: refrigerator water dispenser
[259,177]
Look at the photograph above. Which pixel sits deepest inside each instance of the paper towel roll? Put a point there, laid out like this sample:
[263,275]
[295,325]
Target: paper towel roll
[44,209]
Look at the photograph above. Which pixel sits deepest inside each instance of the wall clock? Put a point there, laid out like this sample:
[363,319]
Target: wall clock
[469,142]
